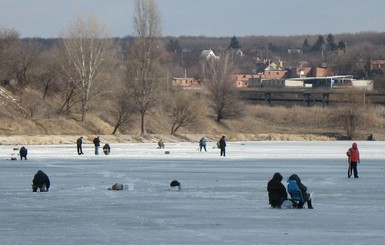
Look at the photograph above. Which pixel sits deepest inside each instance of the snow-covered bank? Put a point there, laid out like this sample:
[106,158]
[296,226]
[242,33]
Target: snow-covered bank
[223,200]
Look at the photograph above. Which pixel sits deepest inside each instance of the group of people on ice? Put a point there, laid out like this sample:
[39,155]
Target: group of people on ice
[278,196]
[221,144]
[106,148]
[96,142]
[296,189]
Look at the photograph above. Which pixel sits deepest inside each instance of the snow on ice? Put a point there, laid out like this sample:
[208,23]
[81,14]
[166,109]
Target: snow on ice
[223,200]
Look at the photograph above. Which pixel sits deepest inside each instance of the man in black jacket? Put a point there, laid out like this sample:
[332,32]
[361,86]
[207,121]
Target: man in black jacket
[41,181]
[97,145]
[23,153]
[79,143]
[222,145]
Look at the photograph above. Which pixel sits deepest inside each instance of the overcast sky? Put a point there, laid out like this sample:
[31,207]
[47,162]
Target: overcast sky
[212,18]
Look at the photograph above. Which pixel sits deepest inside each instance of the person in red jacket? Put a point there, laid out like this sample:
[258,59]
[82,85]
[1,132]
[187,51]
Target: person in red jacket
[353,159]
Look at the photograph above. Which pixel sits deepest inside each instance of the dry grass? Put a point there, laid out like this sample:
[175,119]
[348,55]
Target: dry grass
[297,116]
[259,123]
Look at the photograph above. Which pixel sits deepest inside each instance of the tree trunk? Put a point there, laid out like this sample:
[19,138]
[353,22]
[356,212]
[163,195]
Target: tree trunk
[116,128]
[142,131]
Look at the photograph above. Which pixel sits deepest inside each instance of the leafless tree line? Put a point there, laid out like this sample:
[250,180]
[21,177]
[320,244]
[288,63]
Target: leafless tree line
[82,73]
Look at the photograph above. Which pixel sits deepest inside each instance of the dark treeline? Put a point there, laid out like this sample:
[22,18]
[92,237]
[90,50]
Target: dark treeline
[252,43]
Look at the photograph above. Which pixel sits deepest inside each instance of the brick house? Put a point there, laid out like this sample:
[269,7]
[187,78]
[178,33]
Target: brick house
[246,80]
[377,65]
[185,82]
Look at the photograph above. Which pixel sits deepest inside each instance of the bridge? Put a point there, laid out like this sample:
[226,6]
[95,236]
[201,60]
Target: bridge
[306,96]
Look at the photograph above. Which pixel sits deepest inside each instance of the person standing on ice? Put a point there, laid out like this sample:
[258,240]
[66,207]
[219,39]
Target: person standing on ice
[277,191]
[97,145]
[202,144]
[353,159]
[79,143]
[222,145]
[23,153]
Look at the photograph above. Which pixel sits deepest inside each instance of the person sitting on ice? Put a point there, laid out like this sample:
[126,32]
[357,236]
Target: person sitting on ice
[116,187]
[277,191]
[41,181]
[23,153]
[175,184]
[160,144]
[106,149]
[296,184]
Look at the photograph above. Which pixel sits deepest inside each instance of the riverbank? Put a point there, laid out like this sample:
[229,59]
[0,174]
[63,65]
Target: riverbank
[149,138]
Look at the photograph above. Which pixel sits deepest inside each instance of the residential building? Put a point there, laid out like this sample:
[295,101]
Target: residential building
[377,65]
[185,82]
[208,54]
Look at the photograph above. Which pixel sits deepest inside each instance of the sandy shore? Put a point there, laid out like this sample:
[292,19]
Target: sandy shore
[71,139]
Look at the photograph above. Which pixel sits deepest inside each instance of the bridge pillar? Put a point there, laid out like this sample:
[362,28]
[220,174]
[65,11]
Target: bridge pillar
[306,98]
[325,99]
[268,98]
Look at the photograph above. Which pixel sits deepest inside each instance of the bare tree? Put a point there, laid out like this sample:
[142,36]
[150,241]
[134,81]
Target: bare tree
[145,78]
[122,115]
[47,71]
[9,46]
[26,57]
[351,115]
[223,94]
[68,86]
[184,109]
[88,49]
[122,109]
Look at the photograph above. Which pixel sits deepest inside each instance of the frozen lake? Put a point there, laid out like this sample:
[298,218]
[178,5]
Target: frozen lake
[223,200]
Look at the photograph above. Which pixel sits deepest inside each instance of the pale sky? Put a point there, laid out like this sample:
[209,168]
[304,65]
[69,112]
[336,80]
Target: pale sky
[211,18]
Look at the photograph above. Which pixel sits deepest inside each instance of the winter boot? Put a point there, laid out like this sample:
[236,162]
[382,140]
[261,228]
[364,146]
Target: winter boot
[309,206]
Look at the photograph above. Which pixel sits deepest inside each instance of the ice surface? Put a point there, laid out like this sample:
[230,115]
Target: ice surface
[223,200]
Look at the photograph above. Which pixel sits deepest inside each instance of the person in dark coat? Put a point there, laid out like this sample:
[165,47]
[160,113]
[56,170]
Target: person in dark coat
[41,181]
[277,191]
[23,153]
[97,145]
[79,143]
[202,144]
[222,145]
[303,188]
[175,183]
[106,149]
